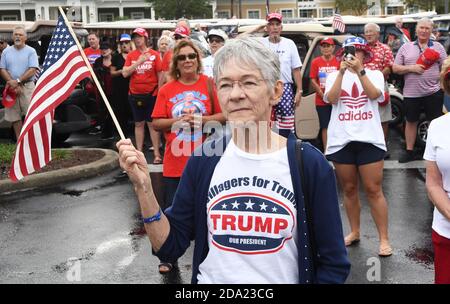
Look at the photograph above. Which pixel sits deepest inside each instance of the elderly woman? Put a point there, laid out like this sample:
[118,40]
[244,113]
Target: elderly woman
[165,43]
[437,156]
[241,198]
[356,144]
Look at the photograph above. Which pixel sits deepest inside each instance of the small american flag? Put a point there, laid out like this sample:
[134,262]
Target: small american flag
[338,23]
[62,70]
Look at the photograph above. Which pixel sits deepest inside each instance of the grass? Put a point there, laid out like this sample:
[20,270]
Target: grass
[7,153]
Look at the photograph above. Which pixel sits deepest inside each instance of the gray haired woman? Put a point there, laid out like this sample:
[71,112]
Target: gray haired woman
[241,197]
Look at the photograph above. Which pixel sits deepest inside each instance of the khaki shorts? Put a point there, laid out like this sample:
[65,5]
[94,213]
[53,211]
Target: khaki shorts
[19,109]
[385,111]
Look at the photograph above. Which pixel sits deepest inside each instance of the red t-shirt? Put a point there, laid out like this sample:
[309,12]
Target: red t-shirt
[320,69]
[174,100]
[92,54]
[166,60]
[144,79]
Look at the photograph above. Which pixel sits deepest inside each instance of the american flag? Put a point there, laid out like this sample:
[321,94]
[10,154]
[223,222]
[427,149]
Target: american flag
[338,23]
[62,70]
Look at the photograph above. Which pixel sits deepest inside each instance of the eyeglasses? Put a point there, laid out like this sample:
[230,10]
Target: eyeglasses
[216,40]
[246,85]
[191,56]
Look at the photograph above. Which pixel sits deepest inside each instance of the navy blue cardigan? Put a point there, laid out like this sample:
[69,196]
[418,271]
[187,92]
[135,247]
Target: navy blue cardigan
[188,218]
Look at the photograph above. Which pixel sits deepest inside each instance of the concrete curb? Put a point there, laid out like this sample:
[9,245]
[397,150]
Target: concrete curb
[106,163]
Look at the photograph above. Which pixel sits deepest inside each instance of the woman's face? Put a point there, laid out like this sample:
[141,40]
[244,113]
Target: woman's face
[125,47]
[244,95]
[360,54]
[186,64]
[163,46]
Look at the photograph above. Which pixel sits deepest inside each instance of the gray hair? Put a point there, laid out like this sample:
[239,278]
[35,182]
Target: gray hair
[372,25]
[425,20]
[20,27]
[169,41]
[249,52]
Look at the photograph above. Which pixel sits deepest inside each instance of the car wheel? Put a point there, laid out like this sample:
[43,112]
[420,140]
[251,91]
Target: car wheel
[397,112]
[422,132]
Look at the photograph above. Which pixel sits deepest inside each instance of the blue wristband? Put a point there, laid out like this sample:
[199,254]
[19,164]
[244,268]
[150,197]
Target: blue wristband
[156,217]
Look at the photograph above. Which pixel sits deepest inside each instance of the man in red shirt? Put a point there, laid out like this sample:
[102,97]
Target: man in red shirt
[143,66]
[93,51]
[321,67]
[382,60]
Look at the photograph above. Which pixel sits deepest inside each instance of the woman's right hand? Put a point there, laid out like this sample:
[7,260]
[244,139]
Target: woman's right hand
[133,162]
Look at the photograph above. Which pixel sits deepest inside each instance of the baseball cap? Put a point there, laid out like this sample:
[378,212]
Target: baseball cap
[141,32]
[9,97]
[105,45]
[182,31]
[276,16]
[218,32]
[125,37]
[328,40]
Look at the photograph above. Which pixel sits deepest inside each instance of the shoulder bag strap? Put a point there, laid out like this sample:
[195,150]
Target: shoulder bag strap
[210,85]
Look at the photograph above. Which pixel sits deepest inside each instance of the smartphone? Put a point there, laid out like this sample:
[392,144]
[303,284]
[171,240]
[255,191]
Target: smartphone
[350,49]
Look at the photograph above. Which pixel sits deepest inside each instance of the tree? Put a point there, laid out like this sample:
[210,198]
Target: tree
[174,9]
[428,5]
[357,7]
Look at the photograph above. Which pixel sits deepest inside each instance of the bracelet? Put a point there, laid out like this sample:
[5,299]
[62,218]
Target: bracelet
[156,217]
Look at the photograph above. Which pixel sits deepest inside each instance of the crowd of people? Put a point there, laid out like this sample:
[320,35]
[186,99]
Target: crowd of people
[255,199]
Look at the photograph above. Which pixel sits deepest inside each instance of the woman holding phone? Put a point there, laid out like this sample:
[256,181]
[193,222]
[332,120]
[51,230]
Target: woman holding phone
[356,144]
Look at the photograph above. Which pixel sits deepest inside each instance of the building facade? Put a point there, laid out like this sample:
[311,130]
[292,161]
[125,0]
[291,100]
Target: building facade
[77,10]
[256,9]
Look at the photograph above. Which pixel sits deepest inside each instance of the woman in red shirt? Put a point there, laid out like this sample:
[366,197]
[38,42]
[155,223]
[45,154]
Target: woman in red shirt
[183,104]
[143,66]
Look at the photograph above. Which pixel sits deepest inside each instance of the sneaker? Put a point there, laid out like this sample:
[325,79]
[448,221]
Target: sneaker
[406,156]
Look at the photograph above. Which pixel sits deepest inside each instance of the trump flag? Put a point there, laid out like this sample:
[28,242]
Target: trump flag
[62,70]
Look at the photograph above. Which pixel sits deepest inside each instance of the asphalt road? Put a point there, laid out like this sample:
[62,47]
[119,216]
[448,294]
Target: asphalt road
[90,232]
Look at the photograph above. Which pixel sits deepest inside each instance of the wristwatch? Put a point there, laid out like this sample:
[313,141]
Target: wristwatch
[18,81]
[362,73]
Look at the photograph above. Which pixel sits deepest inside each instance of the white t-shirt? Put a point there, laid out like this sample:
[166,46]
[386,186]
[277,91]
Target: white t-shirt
[252,220]
[438,150]
[354,117]
[208,64]
[288,55]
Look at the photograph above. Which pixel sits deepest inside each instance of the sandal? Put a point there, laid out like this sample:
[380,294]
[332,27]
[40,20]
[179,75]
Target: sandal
[385,251]
[165,267]
[350,240]
[158,160]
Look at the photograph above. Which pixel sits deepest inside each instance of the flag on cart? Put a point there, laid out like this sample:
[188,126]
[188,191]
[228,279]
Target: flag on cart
[62,70]
[338,23]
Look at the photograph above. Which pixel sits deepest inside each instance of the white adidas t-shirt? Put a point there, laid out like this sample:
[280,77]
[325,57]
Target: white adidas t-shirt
[288,55]
[438,150]
[252,220]
[354,117]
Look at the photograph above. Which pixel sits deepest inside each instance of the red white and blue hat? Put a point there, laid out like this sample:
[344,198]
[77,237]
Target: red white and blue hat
[359,44]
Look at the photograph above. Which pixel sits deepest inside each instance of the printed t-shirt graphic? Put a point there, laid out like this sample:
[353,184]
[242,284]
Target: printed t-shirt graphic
[144,80]
[92,54]
[252,220]
[175,100]
[355,117]
[320,69]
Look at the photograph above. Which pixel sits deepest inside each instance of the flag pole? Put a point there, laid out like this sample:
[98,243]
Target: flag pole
[94,77]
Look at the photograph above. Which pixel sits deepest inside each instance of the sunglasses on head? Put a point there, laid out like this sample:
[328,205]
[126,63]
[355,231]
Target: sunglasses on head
[191,56]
